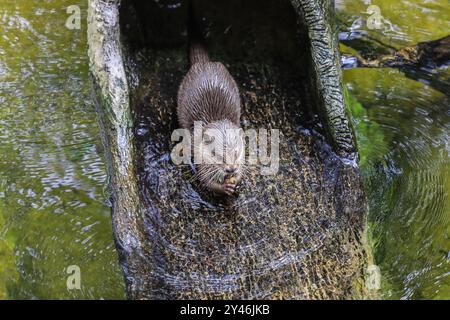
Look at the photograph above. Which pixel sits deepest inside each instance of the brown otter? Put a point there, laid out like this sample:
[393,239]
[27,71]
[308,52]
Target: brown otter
[209,95]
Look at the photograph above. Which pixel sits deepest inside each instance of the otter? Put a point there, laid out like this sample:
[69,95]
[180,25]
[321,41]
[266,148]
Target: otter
[209,95]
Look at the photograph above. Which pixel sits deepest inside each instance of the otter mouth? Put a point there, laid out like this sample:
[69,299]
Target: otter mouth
[218,174]
[294,234]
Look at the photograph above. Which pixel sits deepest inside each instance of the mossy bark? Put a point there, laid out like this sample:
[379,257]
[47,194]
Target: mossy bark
[318,17]
[111,92]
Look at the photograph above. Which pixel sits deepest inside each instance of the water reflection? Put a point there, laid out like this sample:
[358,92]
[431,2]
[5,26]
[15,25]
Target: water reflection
[403,22]
[403,130]
[52,205]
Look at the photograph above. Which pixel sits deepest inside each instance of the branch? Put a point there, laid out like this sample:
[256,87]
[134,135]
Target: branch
[429,55]
[417,62]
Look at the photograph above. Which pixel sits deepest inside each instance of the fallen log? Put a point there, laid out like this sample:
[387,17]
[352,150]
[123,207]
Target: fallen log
[298,234]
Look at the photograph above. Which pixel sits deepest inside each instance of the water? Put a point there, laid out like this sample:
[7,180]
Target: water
[53,208]
[403,130]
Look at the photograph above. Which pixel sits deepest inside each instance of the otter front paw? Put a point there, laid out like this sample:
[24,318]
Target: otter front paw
[226,188]
[229,189]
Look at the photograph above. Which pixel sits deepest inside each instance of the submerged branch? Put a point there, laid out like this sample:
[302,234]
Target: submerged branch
[417,62]
[429,55]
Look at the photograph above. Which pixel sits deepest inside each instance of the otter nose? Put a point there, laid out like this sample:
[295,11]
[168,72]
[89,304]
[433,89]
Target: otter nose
[231,169]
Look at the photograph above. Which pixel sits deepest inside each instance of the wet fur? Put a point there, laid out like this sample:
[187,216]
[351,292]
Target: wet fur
[209,94]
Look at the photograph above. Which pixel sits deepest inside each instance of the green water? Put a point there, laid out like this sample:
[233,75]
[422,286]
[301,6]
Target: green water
[54,209]
[403,129]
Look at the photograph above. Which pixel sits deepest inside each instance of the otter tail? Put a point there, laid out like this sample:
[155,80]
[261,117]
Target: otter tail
[198,53]
[197,47]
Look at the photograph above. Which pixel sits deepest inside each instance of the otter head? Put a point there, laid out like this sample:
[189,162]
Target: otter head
[222,157]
